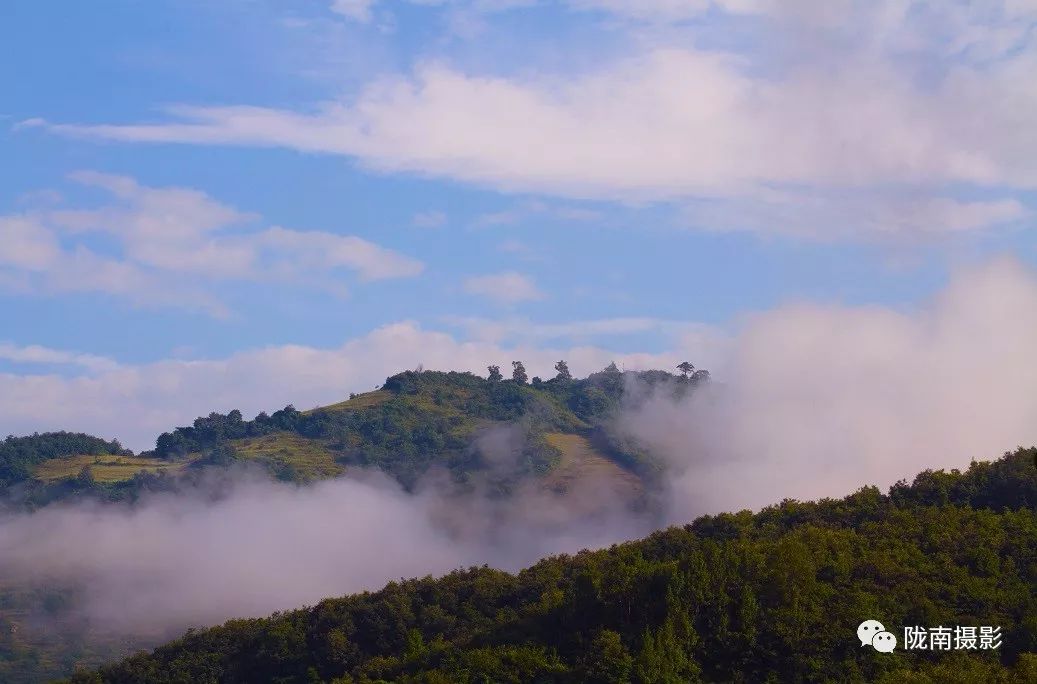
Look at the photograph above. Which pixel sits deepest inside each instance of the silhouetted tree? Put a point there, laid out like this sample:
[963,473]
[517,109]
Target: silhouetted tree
[495,374]
[518,372]
[563,371]
[685,367]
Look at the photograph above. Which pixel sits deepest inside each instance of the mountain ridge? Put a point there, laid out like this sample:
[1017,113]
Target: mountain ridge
[416,421]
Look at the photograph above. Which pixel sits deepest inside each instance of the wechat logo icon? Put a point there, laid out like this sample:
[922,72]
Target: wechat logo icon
[872,633]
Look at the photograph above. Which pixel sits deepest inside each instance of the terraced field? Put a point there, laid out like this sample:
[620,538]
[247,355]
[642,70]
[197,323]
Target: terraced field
[104,468]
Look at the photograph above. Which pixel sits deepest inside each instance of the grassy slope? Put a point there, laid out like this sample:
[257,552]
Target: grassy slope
[360,401]
[582,462]
[313,459]
[105,468]
[579,459]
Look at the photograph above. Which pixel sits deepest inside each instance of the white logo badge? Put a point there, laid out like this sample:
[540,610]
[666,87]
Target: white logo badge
[872,633]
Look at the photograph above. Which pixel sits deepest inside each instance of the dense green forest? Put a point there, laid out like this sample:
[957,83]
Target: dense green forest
[769,597]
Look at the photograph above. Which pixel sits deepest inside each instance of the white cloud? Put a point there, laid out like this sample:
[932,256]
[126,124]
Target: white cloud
[526,330]
[538,208]
[36,354]
[33,260]
[508,287]
[165,234]
[883,214]
[358,10]
[521,250]
[429,219]
[326,251]
[656,10]
[817,401]
[27,245]
[891,106]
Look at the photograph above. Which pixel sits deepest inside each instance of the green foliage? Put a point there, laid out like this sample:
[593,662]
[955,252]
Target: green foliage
[518,372]
[419,419]
[208,432]
[431,418]
[607,660]
[774,596]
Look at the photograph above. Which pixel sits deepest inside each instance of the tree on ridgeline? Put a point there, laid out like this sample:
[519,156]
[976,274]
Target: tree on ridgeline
[518,372]
[495,374]
[563,371]
[685,367]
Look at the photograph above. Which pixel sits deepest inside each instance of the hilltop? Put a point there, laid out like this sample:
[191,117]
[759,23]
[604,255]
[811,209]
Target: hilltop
[774,596]
[497,431]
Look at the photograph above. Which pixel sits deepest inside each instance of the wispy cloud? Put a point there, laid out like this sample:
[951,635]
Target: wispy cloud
[165,234]
[882,214]
[36,354]
[527,330]
[538,209]
[671,122]
[507,288]
[358,10]
[429,219]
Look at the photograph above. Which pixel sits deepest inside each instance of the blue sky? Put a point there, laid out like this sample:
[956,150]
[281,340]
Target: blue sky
[188,182]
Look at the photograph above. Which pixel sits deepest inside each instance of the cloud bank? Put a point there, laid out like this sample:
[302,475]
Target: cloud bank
[246,546]
[818,401]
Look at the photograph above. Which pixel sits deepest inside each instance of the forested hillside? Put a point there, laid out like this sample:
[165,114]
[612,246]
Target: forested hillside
[775,596]
[418,420]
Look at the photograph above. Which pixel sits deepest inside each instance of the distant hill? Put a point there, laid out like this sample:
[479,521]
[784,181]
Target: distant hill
[490,435]
[775,596]
[417,421]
